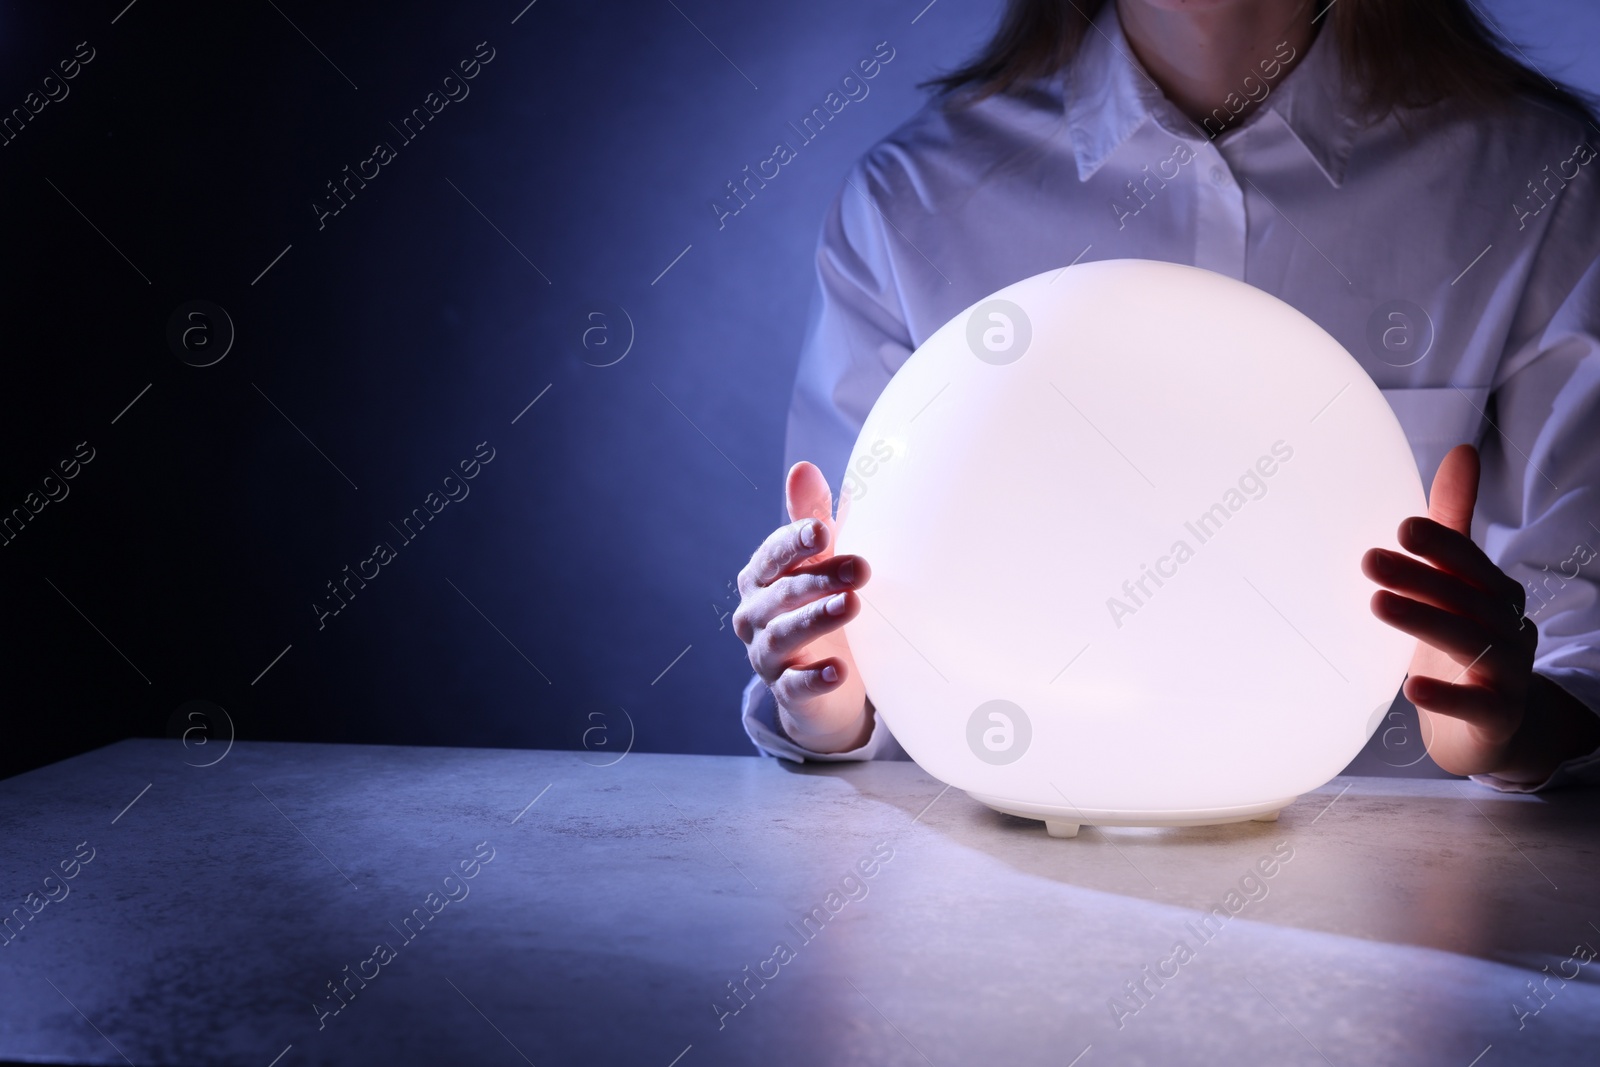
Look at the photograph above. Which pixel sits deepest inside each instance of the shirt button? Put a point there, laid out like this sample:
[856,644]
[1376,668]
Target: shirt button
[1218,177]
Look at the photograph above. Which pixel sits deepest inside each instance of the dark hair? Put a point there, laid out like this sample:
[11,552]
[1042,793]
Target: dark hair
[1401,54]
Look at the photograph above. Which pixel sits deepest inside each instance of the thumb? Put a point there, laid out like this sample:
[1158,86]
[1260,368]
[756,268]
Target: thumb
[1455,489]
[807,495]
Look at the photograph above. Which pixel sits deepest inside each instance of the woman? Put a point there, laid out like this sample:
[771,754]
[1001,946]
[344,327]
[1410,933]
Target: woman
[1381,166]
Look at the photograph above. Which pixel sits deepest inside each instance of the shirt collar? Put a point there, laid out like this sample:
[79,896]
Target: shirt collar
[1110,96]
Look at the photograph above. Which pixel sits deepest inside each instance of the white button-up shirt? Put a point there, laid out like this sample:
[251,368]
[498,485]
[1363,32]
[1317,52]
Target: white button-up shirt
[1458,261]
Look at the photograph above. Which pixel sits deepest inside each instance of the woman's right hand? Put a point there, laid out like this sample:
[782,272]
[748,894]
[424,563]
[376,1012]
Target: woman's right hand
[794,598]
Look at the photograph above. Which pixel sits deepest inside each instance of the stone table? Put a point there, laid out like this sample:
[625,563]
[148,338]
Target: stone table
[299,904]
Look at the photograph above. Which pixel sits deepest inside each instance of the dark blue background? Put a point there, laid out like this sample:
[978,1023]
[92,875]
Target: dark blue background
[602,541]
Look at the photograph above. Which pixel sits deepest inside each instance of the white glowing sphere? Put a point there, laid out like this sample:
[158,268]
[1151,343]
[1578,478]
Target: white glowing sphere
[1115,516]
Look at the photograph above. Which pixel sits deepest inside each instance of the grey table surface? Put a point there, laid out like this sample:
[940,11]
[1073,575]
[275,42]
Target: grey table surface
[1405,921]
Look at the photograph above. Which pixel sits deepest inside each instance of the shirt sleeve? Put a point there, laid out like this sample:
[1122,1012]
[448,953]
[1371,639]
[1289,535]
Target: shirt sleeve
[855,339]
[760,713]
[1539,490]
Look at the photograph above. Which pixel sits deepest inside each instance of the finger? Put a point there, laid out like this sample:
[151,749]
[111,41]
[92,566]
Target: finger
[1455,489]
[1460,638]
[1475,705]
[1431,585]
[1457,553]
[796,686]
[800,586]
[809,502]
[812,581]
[776,646]
[782,549]
[806,494]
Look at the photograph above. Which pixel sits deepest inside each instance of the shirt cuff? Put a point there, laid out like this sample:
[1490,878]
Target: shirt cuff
[760,715]
[1579,770]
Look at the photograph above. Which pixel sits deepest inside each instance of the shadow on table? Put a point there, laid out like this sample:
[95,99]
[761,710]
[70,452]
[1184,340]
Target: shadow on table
[1448,865]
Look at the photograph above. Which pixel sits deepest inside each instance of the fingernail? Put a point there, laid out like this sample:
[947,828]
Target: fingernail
[808,535]
[830,674]
[835,604]
[847,571]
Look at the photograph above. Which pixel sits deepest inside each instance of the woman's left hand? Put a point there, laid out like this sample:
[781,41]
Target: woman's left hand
[1472,673]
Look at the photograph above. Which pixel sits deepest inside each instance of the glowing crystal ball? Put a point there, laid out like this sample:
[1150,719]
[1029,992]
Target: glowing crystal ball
[1114,515]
